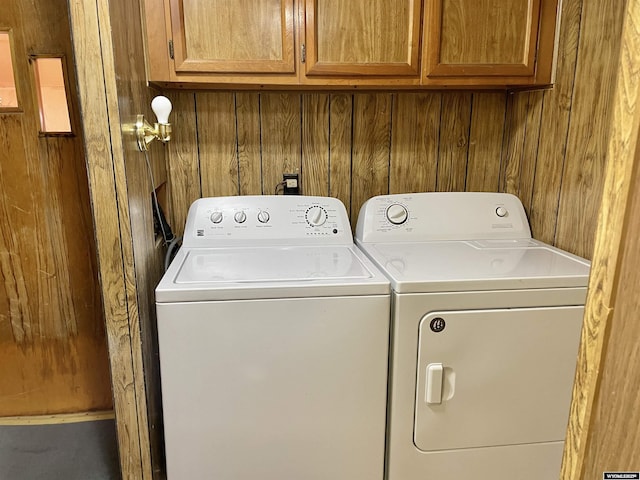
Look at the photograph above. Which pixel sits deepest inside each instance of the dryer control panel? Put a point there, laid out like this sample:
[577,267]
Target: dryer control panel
[267,220]
[420,217]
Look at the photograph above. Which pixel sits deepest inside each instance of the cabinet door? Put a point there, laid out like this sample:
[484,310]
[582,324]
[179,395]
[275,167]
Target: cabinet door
[362,37]
[232,36]
[485,38]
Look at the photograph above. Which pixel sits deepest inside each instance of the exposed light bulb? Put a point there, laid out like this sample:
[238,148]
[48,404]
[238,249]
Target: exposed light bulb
[161,106]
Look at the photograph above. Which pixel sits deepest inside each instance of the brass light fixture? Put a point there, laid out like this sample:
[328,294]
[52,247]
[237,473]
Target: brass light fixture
[161,130]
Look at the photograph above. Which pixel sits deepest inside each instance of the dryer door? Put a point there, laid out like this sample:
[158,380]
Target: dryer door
[495,377]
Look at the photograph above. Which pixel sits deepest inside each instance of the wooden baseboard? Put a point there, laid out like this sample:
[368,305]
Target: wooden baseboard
[59,418]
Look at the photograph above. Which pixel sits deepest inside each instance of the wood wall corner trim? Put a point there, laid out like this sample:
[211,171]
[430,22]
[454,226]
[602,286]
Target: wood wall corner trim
[621,154]
[92,45]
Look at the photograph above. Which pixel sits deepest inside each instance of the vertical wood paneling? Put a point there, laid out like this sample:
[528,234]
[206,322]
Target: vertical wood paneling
[217,144]
[582,177]
[556,112]
[513,143]
[248,128]
[371,129]
[106,183]
[340,132]
[184,167]
[455,120]
[414,142]
[315,144]
[281,137]
[485,144]
[530,148]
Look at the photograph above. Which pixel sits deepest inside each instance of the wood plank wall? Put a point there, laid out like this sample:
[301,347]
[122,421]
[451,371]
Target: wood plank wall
[547,147]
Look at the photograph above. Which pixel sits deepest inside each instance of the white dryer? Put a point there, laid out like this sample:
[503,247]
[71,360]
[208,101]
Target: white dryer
[273,331]
[485,331]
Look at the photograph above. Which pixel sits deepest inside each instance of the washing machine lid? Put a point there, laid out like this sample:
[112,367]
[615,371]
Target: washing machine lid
[477,265]
[269,272]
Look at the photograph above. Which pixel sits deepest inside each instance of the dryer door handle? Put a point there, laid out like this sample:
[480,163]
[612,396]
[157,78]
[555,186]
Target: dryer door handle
[433,391]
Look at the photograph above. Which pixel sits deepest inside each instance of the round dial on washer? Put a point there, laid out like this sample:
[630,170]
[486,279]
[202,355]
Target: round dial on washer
[240,217]
[216,217]
[397,214]
[263,217]
[501,212]
[316,216]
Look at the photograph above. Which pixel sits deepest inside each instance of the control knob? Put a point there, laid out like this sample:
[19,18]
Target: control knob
[316,216]
[240,217]
[397,214]
[263,217]
[216,217]
[501,212]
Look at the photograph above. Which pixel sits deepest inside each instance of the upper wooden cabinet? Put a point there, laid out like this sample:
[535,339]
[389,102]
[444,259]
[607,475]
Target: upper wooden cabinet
[351,43]
[221,41]
[232,36]
[489,41]
[362,37]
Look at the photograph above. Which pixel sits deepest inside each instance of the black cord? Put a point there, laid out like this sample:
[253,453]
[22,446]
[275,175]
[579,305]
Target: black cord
[278,186]
[165,237]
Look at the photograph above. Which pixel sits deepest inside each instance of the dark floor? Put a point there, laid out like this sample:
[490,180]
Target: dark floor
[70,451]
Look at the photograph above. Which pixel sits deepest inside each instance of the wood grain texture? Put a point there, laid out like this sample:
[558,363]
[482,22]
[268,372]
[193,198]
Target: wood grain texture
[207,26]
[217,144]
[104,33]
[128,94]
[486,31]
[590,121]
[613,442]
[487,38]
[102,182]
[530,148]
[374,37]
[184,165]
[455,121]
[371,148]
[485,142]
[221,36]
[415,138]
[280,137]
[340,148]
[602,433]
[57,419]
[315,144]
[52,341]
[556,112]
[249,143]
[521,146]
[513,143]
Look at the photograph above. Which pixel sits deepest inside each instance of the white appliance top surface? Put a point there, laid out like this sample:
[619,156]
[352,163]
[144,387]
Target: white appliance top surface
[417,267]
[269,272]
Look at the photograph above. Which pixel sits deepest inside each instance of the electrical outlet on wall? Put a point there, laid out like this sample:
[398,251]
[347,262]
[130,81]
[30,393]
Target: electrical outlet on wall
[291,182]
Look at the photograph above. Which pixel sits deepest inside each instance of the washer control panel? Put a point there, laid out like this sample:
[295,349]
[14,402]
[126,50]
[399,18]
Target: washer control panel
[417,217]
[267,220]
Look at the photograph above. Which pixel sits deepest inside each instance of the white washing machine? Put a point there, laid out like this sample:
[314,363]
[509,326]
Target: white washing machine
[273,332]
[485,331]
